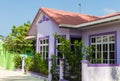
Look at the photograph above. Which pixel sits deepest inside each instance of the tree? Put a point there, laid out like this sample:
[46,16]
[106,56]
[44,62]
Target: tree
[16,41]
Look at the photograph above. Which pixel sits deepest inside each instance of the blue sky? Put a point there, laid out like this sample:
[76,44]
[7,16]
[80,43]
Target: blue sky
[17,12]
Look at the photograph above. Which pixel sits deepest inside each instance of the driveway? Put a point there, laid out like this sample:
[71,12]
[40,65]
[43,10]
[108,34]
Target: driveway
[6,75]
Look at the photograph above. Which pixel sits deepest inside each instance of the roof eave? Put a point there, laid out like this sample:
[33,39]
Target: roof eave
[31,37]
[92,23]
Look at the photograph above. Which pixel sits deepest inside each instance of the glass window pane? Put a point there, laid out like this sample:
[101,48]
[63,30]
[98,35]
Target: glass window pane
[46,54]
[111,38]
[112,55]
[93,40]
[46,41]
[94,55]
[99,47]
[99,39]
[46,48]
[105,38]
[111,47]
[41,48]
[105,55]
[94,47]
[40,41]
[105,47]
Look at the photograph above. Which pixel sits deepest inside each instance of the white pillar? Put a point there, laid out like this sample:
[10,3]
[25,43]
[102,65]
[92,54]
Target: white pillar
[23,64]
[61,69]
[49,70]
[85,70]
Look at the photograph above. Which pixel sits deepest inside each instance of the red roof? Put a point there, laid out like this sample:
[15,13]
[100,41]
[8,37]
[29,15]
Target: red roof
[62,17]
[110,15]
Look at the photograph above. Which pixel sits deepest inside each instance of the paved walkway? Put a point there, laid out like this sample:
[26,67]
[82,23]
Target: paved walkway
[6,75]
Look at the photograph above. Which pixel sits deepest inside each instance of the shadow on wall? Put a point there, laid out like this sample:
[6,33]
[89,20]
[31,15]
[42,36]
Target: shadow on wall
[115,72]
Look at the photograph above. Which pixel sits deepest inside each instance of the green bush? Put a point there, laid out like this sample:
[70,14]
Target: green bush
[39,65]
[28,63]
[17,61]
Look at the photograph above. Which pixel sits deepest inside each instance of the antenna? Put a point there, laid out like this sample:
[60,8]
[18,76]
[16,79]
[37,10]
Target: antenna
[79,7]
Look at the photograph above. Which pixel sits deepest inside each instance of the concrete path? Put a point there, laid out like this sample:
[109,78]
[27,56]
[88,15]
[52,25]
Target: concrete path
[6,75]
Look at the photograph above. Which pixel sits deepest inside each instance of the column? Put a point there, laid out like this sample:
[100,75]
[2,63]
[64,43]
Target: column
[85,70]
[49,70]
[61,74]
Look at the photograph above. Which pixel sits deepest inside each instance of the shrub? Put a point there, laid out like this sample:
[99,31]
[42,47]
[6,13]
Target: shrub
[39,65]
[28,63]
[17,61]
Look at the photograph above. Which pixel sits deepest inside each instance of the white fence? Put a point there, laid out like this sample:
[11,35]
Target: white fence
[100,72]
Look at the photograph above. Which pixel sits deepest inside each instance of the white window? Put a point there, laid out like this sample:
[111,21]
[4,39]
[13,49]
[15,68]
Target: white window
[44,44]
[58,54]
[104,51]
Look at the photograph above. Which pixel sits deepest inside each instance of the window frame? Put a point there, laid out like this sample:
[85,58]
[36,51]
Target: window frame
[45,43]
[108,43]
[56,51]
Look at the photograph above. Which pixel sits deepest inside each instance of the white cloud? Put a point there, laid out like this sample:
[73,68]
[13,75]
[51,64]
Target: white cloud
[108,10]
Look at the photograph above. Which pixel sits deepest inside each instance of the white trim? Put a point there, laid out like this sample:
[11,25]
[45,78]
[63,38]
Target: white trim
[30,37]
[90,23]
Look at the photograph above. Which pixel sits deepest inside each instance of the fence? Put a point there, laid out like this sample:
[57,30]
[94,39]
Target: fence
[100,72]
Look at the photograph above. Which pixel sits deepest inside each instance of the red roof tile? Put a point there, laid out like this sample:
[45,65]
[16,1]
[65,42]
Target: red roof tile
[62,17]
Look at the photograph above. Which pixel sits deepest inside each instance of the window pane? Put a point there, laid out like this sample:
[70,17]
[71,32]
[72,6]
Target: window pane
[112,55]
[98,39]
[60,55]
[99,47]
[40,41]
[94,48]
[43,55]
[46,48]
[111,47]
[46,41]
[47,54]
[105,39]
[41,48]
[93,55]
[93,40]
[111,38]
[105,47]
[105,55]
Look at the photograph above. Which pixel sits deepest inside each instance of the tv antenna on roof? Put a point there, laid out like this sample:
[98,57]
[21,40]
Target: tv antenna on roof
[79,7]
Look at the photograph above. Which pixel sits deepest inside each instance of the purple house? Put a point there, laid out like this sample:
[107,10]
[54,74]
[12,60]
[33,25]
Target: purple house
[101,32]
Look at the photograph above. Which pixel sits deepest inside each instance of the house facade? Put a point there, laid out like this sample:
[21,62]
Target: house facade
[101,32]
